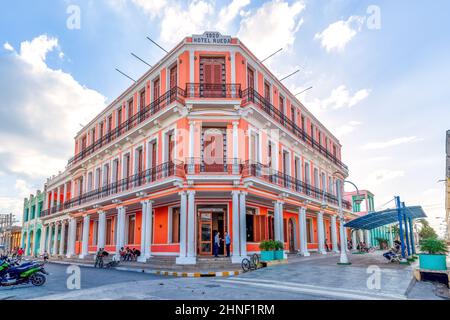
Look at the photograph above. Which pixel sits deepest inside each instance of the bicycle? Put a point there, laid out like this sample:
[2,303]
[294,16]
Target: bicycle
[250,264]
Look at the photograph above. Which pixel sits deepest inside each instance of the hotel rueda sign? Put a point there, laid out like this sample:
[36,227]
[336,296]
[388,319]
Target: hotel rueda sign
[211,38]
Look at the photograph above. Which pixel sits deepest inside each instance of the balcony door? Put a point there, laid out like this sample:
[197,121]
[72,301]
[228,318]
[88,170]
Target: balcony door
[213,150]
[212,77]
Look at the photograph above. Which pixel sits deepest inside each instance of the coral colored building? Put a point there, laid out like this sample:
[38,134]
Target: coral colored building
[206,140]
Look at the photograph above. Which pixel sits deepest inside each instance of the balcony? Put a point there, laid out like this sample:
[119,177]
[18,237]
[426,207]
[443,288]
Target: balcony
[267,174]
[174,94]
[250,95]
[196,166]
[212,90]
[134,182]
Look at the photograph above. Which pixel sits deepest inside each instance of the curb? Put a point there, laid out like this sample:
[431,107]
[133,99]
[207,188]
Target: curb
[162,272]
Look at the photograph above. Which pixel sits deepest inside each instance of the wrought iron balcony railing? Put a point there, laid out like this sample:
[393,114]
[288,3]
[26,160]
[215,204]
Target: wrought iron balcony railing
[213,90]
[251,95]
[174,94]
[263,172]
[155,174]
[222,166]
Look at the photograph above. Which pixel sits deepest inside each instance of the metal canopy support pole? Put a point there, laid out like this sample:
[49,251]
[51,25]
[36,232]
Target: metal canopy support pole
[411,234]
[400,224]
[406,228]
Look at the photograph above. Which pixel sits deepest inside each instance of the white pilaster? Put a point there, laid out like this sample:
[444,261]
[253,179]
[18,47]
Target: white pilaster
[191,253]
[49,240]
[334,241]
[320,233]
[368,239]
[276,221]
[236,254]
[71,238]
[183,226]
[120,239]
[101,232]
[63,238]
[243,224]
[143,231]
[65,192]
[354,241]
[43,236]
[303,237]
[235,147]
[85,239]
[55,241]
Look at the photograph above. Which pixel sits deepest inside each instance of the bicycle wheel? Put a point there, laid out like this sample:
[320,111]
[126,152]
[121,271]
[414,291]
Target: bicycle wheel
[246,264]
[255,259]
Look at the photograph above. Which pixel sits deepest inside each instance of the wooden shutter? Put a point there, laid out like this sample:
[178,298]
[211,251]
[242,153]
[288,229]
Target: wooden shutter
[173,77]
[250,78]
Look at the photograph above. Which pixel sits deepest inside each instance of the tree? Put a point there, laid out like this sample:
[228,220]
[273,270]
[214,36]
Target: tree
[426,231]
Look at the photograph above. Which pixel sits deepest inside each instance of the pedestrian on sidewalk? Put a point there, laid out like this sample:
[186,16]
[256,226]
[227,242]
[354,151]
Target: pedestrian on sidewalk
[45,256]
[216,244]
[227,243]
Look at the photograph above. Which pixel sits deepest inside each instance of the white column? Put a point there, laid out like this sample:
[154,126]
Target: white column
[101,231]
[191,162]
[280,223]
[368,239]
[191,253]
[34,239]
[58,195]
[361,235]
[120,238]
[71,237]
[334,241]
[148,230]
[85,240]
[51,200]
[235,148]
[141,258]
[63,238]
[303,236]
[65,192]
[243,224]
[183,226]
[346,240]
[354,241]
[49,240]
[320,233]
[276,221]
[236,254]
[391,237]
[55,241]
[43,236]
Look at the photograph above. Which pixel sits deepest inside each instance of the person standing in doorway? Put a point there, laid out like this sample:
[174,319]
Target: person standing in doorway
[216,244]
[227,243]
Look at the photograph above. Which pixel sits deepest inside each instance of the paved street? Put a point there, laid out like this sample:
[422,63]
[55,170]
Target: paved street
[314,278]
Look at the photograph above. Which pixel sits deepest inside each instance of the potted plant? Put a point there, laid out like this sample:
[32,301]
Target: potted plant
[279,250]
[433,254]
[267,253]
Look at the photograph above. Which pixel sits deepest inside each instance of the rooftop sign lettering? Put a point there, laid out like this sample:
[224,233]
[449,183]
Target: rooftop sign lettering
[211,38]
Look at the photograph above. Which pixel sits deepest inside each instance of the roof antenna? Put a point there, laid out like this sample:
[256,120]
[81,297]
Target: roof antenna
[290,75]
[142,60]
[125,75]
[158,45]
[272,55]
[303,91]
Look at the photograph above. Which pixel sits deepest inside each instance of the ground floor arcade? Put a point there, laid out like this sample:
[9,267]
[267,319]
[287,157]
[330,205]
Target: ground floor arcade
[183,224]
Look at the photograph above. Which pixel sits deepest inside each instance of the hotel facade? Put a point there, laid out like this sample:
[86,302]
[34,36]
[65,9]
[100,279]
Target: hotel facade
[208,140]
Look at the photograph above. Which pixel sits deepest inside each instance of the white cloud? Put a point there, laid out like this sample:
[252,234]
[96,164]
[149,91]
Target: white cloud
[42,115]
[347,128]
[152,7]
[8,47]
[271,27]
[35,52]
[390,143]
[229,13]
[340,97]
[338,34]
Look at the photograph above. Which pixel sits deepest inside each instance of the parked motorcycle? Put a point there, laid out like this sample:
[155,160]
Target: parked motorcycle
[29,272]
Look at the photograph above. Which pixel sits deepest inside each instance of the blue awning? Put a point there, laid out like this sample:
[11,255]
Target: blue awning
[381,218]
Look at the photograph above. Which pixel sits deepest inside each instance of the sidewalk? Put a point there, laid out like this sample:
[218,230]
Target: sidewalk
[175,271]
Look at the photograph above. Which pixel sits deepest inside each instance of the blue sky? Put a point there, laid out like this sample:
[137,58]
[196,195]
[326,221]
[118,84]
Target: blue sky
[383,91]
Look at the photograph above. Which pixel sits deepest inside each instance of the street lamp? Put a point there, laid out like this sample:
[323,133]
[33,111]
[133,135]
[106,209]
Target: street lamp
[343,259]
